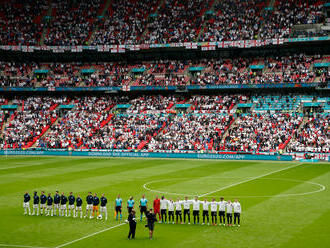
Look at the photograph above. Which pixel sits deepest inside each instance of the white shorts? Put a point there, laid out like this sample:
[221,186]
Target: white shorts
[56,205]
[71,206]
[26,204]
[78,208]
[89,207]
[49,206]
[42,205]
[103,209]
[35,205]
[63,207]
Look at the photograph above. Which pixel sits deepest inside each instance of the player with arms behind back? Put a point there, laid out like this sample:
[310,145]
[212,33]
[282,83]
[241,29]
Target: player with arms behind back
[89,207]
[71,199]
[130,204]
[43,200]
[35,203]
[143,206]
[64,200]
[79,207]
[57,200]
[49,205]
[157,207]
[118,207]
[26,203]
[103,208]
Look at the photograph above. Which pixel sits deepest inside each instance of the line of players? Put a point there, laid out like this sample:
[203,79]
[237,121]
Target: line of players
[51,205]
[163,207]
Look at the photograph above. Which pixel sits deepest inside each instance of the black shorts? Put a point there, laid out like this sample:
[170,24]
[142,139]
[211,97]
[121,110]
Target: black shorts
[213,213]
[143,209]
[195,212]
[163,211]
[151,227]
[178,212]
[118,209]
[170,212]
[221,213]
[229,215]
[237,214]
[129,209]
[205,212]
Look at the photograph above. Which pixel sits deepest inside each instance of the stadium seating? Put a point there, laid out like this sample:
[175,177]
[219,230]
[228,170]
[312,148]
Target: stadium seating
[313,137]
[298,68]
[166,123]
[99,22]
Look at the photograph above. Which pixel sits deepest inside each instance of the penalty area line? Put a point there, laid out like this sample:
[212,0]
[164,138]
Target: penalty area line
[90,235]
[248,180]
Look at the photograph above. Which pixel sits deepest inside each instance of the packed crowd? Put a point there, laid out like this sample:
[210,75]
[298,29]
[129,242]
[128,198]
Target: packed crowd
[234,20]
[72,22]
[21,21]
[127,132]
[126,22]
[278,23]
[177,21]
[191,132]
[261,132]
[32,118]
[287,69]
[79,123]
[314,136]
[93,22]
[155,123]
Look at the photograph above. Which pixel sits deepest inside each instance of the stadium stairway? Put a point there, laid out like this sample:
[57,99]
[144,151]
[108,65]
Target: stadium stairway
[305,119]
[202,29]
[146,31]
[232,124]
[102,12]
[10,118]
[45,129]
[45,29]
[100,123]
[143,143]
[270,5]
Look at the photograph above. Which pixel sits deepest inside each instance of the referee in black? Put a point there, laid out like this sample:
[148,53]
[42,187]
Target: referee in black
[132,224]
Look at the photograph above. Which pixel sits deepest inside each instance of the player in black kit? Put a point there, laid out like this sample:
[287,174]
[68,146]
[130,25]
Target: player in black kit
[72,200]
[49,205]
[35,203]
[64,200]
[43,200]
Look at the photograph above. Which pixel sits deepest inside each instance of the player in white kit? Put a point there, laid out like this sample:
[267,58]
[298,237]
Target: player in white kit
[186,209]
[206,204]
[196,204]
[237,212]
[163,209]
[222,210]
[178,210]
[214,210]
[229,215]
[170,205]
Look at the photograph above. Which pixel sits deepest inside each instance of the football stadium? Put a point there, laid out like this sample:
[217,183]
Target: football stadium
[165,123]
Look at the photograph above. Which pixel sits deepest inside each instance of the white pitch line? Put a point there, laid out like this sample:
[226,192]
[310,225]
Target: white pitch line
[22,246]
[248,180]
[90,235]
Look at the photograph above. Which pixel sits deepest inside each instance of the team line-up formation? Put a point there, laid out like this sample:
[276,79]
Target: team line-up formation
[164,208]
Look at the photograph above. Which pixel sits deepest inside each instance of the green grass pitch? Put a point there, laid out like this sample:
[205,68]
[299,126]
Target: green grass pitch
[284,204]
